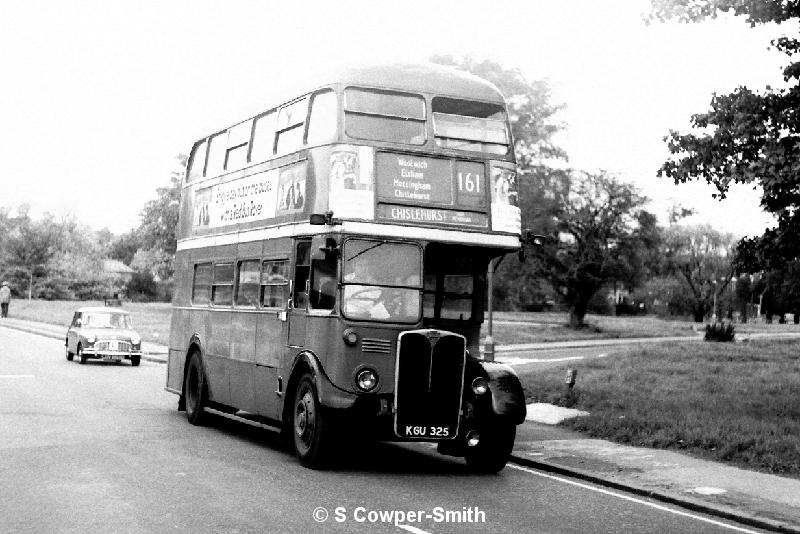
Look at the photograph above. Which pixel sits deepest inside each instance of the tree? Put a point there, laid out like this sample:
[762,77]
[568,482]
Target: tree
[156,234]
[30,246]
[159,217]
[702,258]
[747,136]
[595,235]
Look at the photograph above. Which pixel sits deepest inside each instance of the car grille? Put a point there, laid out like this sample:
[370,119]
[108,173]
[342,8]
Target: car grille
[429,382]
[120,346]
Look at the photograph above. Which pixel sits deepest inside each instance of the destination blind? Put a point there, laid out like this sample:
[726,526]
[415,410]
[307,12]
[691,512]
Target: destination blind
[419,189]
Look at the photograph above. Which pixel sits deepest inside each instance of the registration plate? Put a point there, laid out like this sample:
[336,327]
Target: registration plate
[426,431]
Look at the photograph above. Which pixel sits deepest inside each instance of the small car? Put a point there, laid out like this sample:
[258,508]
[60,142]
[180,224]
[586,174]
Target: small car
[103,334]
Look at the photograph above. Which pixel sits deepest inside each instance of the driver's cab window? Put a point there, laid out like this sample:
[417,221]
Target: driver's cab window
[323,283]
[76,319]
[302,268]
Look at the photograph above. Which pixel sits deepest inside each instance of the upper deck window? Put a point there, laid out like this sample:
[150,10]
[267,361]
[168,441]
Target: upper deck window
[291,120]
[218,145]
[198,161]
[471,126]
[322,120]
[384,116]
[238,140]
[263,138]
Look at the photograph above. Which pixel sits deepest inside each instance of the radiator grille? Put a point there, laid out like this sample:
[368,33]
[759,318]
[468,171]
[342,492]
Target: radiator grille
[429,382]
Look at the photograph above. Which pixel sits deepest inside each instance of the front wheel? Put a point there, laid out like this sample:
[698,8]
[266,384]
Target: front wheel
[494,448]
[136,360]
[310,426]
[195,391]
[81,355]
[70,355]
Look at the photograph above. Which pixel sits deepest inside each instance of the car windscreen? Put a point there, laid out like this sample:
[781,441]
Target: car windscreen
[107,320]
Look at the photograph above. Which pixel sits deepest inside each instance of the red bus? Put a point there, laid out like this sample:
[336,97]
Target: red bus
[332,260]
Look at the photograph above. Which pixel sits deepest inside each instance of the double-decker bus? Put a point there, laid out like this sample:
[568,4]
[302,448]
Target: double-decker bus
[332,260]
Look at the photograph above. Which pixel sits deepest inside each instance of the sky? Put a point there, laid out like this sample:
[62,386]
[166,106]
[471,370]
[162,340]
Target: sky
[100,96]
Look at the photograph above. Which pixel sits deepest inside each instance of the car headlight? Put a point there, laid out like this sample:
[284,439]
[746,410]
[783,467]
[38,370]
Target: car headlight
[136,339]
[91,339]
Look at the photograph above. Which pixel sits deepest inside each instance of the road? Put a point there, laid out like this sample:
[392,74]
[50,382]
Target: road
[101,448]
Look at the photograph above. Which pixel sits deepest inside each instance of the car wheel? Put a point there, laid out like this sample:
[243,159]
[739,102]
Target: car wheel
[70,355]
[81,355]
[195,391]
[135,360]
[313,439]
[493,450]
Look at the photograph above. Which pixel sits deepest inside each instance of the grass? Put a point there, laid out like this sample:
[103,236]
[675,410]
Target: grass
[150,319]
[734,403]
[530,327]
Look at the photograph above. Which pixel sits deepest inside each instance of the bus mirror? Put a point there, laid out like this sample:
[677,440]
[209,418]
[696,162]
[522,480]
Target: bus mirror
[536,240]
[318,219]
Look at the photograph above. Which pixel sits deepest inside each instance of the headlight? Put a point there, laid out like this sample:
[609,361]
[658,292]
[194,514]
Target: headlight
[91,339]
[367,379]
[136,339]
[480,385]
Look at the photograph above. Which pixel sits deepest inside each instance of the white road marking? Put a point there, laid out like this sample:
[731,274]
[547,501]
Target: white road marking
[633,499]
[522,361]
[17,376]
[415,530]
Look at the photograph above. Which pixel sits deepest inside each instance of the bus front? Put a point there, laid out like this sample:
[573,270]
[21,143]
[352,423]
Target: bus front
[421,199]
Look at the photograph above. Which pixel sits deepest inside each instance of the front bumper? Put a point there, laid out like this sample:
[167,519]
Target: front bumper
[110,355]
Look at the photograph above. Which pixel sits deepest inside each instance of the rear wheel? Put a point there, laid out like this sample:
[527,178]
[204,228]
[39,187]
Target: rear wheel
[494,448]
[135,360]
[195,391]
[81,355]
[310,426]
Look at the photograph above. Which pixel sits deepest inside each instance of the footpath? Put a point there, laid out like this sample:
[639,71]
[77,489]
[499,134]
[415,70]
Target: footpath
[750,498]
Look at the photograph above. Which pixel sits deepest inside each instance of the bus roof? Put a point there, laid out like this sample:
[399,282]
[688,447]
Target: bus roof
[416,77]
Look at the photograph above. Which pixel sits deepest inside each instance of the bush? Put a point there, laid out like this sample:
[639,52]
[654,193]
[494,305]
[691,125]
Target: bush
[719,332]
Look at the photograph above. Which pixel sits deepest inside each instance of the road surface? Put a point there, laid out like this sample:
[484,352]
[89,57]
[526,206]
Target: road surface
[101,448]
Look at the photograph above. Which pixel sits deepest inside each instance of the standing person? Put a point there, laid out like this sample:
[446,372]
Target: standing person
[5,298]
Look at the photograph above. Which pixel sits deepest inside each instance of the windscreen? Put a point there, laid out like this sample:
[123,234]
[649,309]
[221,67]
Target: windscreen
[107,320]
[382,281]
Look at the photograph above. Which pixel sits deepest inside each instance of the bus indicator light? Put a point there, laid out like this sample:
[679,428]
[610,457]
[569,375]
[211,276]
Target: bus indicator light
[350,337]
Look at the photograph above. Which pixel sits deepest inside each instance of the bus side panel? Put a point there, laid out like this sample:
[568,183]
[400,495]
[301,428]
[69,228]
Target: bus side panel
[177,351]
[217,360]
[243,333]
[178,337]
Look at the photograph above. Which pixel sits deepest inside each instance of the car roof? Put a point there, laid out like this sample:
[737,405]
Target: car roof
[101,309]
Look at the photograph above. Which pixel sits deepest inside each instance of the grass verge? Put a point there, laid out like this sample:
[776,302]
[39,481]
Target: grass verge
[734,403]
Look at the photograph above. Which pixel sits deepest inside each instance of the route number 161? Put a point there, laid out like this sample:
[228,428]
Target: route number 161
[469,182]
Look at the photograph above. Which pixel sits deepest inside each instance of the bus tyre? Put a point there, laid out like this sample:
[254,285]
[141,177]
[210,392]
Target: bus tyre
[136,360]
[195,391]
[81,355]
[493,450]
[311,430]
